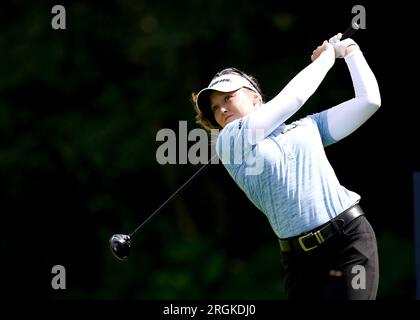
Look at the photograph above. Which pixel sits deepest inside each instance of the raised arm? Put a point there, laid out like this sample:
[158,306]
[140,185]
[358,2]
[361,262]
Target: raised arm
[273,113]
[346,117]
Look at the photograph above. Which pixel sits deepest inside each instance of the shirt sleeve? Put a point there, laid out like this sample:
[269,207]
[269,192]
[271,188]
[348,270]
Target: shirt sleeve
[321,120]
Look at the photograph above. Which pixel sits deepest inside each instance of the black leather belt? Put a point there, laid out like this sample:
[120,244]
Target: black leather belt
[312,239]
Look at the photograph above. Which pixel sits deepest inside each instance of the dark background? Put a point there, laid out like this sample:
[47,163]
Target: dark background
[80,109]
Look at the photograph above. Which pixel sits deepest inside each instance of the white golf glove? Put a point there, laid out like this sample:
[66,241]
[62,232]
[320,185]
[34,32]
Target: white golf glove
[340,46]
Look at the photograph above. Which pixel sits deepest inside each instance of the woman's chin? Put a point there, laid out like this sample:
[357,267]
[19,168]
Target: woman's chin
[230,119]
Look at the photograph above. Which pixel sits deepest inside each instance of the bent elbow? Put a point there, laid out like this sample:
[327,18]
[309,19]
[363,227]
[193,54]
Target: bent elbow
[373,102]
[376,102]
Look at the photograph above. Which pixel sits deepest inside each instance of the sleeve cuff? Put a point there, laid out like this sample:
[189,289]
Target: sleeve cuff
[351,54]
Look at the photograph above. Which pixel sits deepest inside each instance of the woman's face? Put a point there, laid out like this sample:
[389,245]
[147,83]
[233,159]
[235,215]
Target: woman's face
[229,106]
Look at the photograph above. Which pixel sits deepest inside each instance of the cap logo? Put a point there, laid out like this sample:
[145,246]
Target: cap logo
[218,81]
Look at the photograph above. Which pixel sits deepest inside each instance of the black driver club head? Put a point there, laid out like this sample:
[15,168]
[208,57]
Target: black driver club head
[120,246]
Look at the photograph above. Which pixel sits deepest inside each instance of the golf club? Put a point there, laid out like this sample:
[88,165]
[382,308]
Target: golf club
[120,244]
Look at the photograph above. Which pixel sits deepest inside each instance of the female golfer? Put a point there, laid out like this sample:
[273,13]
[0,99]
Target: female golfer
[328,247]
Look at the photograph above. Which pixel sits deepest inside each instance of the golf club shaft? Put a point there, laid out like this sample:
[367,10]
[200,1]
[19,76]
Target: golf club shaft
[199,171]
[350,31]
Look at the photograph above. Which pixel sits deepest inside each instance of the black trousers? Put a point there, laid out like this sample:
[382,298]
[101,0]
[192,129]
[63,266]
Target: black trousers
[345,267]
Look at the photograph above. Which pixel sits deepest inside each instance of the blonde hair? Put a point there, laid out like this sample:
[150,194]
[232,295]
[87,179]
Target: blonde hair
[208,122]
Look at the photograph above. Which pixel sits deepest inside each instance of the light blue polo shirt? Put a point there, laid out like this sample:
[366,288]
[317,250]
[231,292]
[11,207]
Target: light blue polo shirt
[286,175]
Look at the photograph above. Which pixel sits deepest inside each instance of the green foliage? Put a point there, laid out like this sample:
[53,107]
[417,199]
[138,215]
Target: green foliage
[397,273]
[79,113]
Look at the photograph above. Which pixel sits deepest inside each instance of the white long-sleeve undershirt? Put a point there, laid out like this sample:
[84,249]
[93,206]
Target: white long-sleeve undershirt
[346,117]
[276,111]
[343,119]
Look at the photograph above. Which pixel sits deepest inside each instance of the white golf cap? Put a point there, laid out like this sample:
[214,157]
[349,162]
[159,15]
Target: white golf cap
[223,83]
